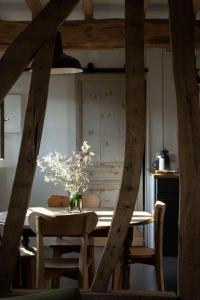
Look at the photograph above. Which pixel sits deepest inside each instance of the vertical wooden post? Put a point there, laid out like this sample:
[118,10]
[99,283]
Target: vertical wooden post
[2,131]
[135,139]
[182,39]
[25,171]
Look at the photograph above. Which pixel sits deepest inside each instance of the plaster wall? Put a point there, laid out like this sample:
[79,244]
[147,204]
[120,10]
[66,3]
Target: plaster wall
[60,121]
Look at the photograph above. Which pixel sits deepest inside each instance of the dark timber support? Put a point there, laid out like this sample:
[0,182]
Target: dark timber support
[135,138]
[182,39]
[25,171]
[36,40]
[29,41]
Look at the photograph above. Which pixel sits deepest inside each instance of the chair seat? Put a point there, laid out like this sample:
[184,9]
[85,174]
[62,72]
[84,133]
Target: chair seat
[62,263]
[142,251]
[66,241]
[146,255]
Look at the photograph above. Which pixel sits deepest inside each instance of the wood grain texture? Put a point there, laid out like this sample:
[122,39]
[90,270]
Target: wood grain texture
[189,146]
[35,6]
[134,145]
[30,40]
[88,9]
[110,33]
[25,170]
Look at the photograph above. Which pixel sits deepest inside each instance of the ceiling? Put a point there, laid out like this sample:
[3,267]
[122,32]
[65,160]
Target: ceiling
[18,9]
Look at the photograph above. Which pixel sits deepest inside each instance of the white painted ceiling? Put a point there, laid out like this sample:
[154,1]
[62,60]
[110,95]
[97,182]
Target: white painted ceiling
[18,10]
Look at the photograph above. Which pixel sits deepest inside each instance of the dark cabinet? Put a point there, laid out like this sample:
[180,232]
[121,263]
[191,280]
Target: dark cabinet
[167,190]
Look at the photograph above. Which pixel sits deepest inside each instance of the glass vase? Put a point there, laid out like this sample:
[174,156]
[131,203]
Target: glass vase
[75,202]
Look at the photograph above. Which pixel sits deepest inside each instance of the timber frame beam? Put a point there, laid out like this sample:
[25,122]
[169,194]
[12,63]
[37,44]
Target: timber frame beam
[134,146]
[188,115]
[38,45]
[110,33]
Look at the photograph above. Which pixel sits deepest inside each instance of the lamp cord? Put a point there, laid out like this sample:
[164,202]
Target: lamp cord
[162,95]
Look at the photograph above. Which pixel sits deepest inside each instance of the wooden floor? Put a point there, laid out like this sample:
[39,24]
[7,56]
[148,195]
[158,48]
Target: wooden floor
[143,276]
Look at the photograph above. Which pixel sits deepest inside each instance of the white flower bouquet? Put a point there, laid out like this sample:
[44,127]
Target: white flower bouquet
[68,172]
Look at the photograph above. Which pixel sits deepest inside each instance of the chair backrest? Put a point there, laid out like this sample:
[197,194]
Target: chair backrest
[77,224]
[159,214]
[91,200]
[61,225]
[58,201]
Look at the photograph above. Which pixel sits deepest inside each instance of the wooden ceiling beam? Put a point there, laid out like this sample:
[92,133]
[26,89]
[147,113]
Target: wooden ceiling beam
[35,6]
[88,9]
[98,34]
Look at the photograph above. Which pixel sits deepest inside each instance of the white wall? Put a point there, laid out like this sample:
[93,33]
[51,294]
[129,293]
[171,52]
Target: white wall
[60,122]
[58,134]
[161,119]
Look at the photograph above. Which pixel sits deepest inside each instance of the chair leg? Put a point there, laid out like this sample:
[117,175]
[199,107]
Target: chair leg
[16,284]
[55,283]
[116,278]
[91,269]
[28,271]
[83,280]
[160,275]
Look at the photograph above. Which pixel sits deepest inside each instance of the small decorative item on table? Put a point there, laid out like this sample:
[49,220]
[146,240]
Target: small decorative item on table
[71,172]
[75,202]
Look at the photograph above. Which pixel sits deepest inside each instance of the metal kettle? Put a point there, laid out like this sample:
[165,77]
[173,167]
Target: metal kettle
[164,160]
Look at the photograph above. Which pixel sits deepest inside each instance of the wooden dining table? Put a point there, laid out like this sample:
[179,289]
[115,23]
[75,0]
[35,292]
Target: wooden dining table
[105,216]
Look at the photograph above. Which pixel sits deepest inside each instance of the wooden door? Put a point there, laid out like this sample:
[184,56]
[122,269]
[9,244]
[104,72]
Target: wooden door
[101,115]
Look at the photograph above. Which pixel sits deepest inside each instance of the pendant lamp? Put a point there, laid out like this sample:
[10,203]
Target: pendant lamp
[63,63]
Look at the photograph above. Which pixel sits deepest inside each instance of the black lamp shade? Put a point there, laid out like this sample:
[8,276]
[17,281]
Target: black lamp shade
[63,63]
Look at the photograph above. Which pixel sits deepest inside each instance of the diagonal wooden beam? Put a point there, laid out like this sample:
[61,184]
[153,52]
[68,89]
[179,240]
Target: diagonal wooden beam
[30,40]
[35,7]
[188,115]
[26,164]
[25,47]
[134,146]
[88,9]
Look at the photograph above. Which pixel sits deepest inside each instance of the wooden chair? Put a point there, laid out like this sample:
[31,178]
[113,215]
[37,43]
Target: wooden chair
[146,255]
[91,201]
[58,201]
[67,245]
[63,225]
